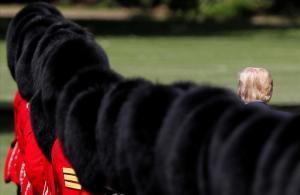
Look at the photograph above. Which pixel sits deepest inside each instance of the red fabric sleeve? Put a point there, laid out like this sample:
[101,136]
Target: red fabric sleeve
[65,177]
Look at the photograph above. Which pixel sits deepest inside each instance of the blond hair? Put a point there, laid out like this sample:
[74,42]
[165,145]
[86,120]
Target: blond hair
[255,84]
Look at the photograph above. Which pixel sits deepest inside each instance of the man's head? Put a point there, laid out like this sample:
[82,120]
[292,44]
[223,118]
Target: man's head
[255,84]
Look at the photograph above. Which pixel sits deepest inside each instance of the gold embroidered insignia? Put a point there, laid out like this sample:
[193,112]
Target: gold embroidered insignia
[70,178]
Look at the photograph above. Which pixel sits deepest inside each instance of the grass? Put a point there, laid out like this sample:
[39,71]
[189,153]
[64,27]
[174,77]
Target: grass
[203,59]
[212,59]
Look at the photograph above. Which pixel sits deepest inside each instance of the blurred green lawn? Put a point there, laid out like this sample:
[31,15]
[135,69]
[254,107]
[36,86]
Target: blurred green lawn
[204,59]
[216,59]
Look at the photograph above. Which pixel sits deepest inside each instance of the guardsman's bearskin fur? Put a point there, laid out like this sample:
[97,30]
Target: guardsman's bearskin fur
[85,79]
[37,115]
[55,36]
[145,112]
[222,130]
[68,55]
[279,160]
[239,152]
[189,152]
[284,170]
[180,109]
[30,36]
[18,22]
[136,137]
[106,130]
[80,146]
[183,86]
[125,123]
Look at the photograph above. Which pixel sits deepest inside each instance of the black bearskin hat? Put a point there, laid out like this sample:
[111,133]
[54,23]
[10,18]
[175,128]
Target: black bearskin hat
[14,31]
[106,129]
[79,144]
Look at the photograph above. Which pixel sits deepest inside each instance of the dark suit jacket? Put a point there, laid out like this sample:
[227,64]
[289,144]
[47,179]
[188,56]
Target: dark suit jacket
[263,105]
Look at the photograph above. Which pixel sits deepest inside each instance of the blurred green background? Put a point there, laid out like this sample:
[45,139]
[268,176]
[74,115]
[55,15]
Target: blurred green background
[206,41]
[203,59]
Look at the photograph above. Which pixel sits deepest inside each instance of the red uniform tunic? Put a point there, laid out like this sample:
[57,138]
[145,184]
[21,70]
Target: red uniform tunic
[25,161]
[25,185]
[13,164]
[28,167]
[66,181]
[37,166]
[14,158]
[49,186]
